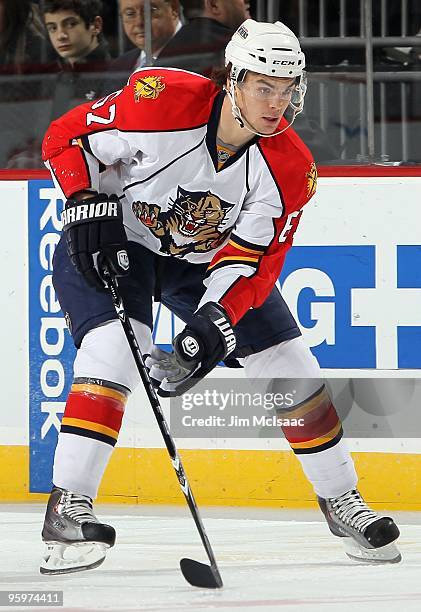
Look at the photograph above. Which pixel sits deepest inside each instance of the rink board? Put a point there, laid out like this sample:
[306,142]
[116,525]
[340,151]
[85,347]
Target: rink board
[227,478]
[353,281]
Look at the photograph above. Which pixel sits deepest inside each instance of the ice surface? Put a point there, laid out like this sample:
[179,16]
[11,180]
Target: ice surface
[269,560]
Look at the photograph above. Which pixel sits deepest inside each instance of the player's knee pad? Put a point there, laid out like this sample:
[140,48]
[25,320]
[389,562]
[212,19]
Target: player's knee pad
[287,370]
[289,359]
[105,354]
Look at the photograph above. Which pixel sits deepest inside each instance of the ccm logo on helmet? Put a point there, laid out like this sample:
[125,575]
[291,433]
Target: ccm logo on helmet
[284,62]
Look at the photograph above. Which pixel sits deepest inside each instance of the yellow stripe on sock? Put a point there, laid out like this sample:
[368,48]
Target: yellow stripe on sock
[99,390]
[307,407]
[318,441]
[90,426]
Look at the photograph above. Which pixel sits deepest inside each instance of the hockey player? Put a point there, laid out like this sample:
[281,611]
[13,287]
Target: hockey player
[209,184]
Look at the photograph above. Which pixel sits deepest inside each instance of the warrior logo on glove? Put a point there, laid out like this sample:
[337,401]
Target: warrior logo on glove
[190,346]
[94,226]
[74,213]
[226,330]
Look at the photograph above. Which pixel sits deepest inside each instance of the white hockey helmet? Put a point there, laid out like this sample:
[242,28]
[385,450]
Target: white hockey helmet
[271,49]
[267,48]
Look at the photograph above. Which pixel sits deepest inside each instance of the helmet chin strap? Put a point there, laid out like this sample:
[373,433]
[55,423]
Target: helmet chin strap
[242,122]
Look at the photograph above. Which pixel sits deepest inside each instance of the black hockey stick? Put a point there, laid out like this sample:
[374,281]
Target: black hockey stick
[196,573]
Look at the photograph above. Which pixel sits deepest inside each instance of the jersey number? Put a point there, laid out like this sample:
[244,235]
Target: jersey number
[288,225]
[92,118]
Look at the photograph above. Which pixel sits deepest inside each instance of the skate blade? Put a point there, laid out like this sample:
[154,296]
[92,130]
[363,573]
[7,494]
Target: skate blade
[60,558]
[384,554]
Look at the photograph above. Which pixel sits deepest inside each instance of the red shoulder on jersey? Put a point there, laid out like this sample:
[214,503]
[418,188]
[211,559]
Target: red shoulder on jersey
[153,100]
[292,167]
[160,99]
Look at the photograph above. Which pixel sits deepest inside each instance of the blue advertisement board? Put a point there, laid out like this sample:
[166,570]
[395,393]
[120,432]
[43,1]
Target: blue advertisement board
[327,288]
[340,269]
[51,350]
[409,277]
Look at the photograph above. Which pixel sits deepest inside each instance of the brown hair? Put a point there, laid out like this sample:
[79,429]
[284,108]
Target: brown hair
[220,75]
[86,9]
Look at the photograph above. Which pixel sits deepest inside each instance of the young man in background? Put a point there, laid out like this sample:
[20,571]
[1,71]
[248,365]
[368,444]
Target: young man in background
[75,31]
[74,28]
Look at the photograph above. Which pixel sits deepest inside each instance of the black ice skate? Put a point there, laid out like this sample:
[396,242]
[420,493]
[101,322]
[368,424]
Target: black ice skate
[75,539]
[366,536]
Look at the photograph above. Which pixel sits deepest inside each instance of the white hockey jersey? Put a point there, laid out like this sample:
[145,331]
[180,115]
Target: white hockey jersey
[154,144]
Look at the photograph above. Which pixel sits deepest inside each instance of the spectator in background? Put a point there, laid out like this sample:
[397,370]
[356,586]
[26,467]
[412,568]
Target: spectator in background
[21,37]
[229,13]
[74,28]
[199,45]
[165,22]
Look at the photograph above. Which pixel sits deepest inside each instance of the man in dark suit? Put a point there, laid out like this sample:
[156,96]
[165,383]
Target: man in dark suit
[165,22]
[199,45]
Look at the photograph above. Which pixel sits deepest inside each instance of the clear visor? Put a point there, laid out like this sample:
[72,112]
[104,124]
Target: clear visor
[283,93]
[297,99]
[293,93]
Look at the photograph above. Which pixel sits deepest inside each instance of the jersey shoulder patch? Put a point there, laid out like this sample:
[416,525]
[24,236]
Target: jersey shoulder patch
[165,99]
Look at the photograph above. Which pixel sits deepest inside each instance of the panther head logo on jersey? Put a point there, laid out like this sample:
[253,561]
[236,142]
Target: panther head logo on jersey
[148,87]
[198,211]
[193,223]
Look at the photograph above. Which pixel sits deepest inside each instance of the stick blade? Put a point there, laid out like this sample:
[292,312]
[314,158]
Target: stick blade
[200,574]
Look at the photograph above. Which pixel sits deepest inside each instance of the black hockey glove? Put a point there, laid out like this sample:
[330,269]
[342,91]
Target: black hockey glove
[203,343]
[95,226]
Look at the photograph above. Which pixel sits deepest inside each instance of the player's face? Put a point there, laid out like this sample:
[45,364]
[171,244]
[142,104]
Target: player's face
[70,36]
[263,100]
[164,22]
[234,12]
